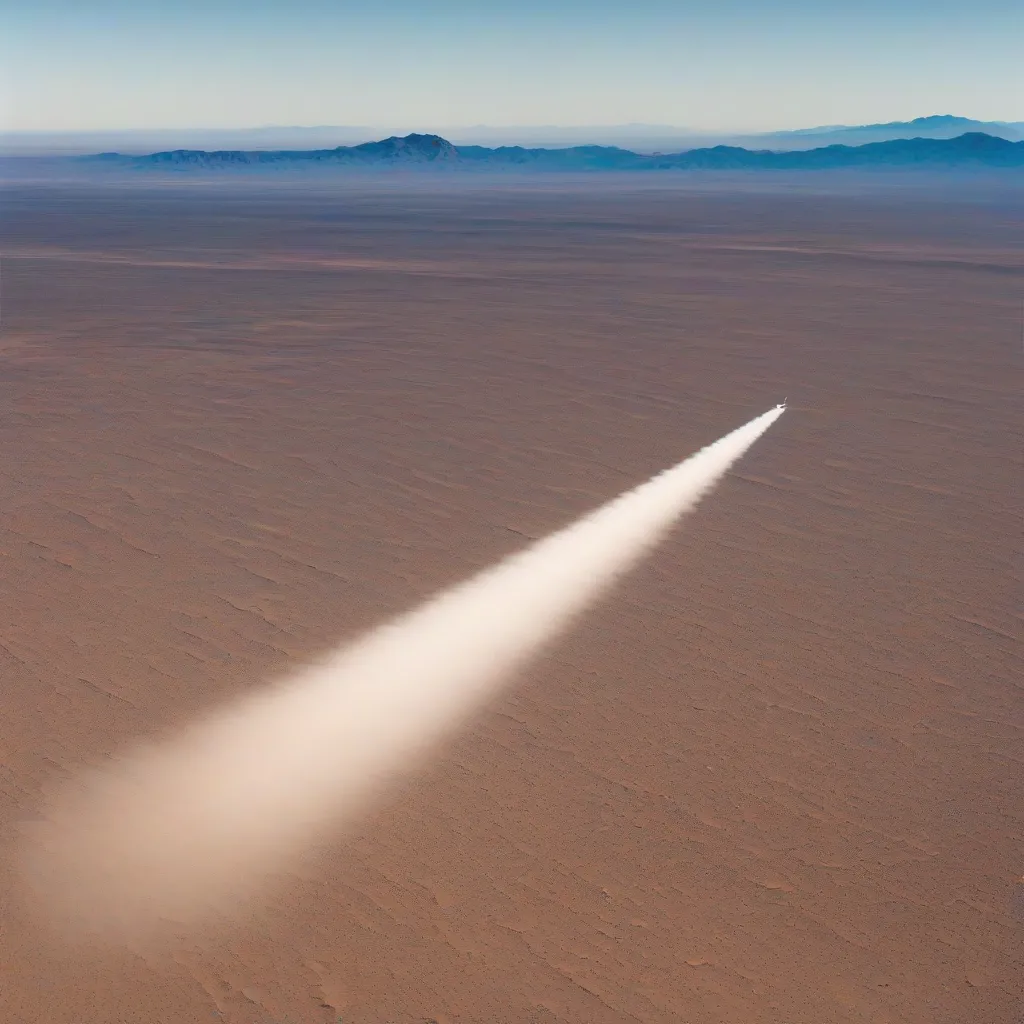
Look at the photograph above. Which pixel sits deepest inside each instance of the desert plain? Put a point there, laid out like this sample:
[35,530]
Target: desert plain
[774,777]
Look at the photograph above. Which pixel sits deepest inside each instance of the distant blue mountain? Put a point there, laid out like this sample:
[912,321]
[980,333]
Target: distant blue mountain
[935,126]
[967,150]
[932,122]
[971,149]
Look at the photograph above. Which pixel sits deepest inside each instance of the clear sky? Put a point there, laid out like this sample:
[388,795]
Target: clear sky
[405,64]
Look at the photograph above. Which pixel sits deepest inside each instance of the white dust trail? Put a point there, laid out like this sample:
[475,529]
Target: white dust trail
[192,827]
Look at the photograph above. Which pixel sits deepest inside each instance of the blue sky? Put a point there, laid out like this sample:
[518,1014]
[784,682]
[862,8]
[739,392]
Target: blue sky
[716,64]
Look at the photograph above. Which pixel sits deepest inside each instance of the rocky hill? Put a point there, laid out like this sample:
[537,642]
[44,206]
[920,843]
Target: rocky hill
[409,149]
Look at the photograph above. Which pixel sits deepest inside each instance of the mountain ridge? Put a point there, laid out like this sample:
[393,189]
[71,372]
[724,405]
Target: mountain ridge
[934,126]
[639,137]
[968,149]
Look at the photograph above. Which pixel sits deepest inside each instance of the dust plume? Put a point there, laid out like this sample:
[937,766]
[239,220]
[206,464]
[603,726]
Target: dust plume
[191,829]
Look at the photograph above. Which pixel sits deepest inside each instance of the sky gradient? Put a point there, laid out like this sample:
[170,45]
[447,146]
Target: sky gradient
[731,65]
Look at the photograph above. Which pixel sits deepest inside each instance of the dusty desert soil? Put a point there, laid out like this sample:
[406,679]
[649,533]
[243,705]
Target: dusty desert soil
[775,778]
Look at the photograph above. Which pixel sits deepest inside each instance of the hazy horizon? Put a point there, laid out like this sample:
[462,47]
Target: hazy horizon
[736,68]
[491,126]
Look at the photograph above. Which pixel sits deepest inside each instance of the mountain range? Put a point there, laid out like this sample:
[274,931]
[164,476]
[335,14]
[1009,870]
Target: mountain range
[649,138]
[936,126]
[641,138]
[971,149]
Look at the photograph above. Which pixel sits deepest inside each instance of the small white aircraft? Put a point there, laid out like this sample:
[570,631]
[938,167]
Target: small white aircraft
[782,405]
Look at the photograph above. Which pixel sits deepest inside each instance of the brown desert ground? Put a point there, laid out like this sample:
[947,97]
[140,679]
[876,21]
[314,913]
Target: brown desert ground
[774,777]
